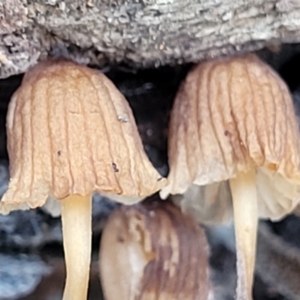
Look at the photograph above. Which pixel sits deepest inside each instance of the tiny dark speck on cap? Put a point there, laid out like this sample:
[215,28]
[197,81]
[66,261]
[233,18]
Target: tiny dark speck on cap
[120,239]
[115,168]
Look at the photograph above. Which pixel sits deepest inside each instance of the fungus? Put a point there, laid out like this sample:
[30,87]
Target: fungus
[233,119]
[209,205]
[65,141]
[153,251]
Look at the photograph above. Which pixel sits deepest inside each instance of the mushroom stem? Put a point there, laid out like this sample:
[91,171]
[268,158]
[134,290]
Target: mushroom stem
[77,232]
[244,197]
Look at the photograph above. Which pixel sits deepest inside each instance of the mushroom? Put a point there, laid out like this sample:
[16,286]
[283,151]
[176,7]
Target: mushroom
[233,119]
[209,205]
[70,133]
[151,250]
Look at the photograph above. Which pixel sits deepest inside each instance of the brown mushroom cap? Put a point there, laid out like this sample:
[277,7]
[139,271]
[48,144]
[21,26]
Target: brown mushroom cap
[153,251]
[70,131]
[232,115]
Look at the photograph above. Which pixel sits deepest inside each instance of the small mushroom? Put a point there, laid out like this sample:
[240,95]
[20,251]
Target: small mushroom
[153,251]
[65,141]
[233,119]
[209,205]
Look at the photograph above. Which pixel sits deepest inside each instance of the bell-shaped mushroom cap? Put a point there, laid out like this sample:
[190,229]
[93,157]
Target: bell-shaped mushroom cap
[70,131]
[153,251]
[232,115]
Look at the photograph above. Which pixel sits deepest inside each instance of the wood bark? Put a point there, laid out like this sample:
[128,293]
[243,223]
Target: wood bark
[140,33]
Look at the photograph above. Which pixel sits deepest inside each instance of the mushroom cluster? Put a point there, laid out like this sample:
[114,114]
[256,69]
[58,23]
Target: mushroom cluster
[70,133]
[234,145]
[233,121]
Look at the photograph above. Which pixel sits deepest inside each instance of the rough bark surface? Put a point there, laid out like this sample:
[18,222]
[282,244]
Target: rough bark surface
[140,33]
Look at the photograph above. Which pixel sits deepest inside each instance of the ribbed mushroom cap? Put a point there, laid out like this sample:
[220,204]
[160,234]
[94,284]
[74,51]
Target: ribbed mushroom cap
[70,131]
[232,115]
[154,251]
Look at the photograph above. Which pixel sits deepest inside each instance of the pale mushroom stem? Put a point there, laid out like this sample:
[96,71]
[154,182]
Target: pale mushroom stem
[76,226]
[244,197]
